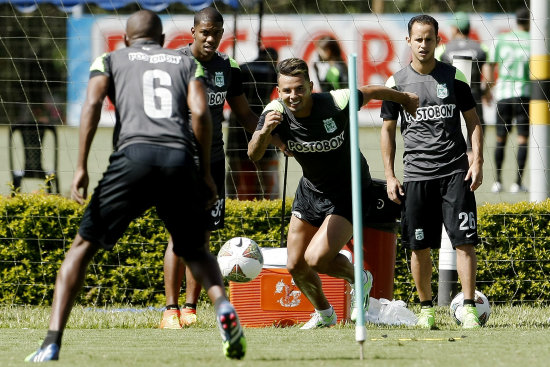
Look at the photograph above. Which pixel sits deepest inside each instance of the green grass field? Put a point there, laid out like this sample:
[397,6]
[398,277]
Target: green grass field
[513,336]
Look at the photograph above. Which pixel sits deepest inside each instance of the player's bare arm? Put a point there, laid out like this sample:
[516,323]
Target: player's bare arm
[262,138]
[387,143]
[89,119]
[409,101]
[475,172]
[201,122]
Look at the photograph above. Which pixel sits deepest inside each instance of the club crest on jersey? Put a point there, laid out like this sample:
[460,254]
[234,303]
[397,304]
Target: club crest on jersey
[442,91]
[330,125]
[218,79]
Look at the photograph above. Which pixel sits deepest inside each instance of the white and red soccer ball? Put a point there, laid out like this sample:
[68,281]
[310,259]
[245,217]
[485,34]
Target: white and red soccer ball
[240,259]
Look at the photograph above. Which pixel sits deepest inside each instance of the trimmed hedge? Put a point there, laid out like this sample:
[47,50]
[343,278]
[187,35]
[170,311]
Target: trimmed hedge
[37,229]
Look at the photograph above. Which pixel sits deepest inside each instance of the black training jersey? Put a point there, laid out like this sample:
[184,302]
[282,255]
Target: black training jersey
[320,142]
[156,78]
[223,79]
[434,144]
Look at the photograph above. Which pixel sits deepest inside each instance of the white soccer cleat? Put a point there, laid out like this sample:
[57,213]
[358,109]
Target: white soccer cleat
[497,187]
[318,321]
[367,286]
[515,188]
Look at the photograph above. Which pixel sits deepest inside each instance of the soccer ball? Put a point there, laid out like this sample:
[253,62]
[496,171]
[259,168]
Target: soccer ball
[240,259]
[482,305]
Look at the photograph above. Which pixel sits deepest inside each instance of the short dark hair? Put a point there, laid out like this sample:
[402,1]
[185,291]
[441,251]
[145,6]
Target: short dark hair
[208,14]
[424,19]
[293,67]
[523,16]
[331,44]
[144,24]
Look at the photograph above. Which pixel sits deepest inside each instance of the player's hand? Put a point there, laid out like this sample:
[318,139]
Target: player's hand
[80,182]
[395,190]
[276,140]
[272,120]
[212,196]
[475,172]
[412,104]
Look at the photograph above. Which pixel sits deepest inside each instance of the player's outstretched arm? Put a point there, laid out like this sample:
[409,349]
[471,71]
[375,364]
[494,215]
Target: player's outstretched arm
[201,123]
[89,119]
[409,101]
[262,137]
[387,143]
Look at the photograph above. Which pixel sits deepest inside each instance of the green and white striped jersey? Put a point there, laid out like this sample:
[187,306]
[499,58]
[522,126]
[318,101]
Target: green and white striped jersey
[511,52]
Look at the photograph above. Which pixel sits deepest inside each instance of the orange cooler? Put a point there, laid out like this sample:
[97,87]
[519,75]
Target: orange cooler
[272,299]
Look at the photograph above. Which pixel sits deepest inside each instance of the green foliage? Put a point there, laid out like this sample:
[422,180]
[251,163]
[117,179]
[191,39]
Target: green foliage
[513,255]
[514,259]
[37,229]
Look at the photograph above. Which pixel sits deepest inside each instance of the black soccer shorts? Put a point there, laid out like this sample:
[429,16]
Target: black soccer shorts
[313,206]
[431,203]
[215,216]
[507,110]
[128,188]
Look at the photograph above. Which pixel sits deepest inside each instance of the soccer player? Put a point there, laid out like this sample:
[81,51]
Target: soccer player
[513,92]
[439,182]
[155,91]
[223,82]
[315,129]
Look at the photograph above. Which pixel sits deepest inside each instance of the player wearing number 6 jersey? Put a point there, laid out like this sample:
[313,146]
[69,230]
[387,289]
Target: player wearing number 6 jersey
[438,179]
[155,92]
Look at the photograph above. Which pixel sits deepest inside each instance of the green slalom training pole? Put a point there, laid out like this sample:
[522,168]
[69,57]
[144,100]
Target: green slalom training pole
[360,329]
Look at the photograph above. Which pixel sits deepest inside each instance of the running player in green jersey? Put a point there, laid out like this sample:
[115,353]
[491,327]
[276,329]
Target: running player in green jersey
[512,93]
[439,182]
[315,129]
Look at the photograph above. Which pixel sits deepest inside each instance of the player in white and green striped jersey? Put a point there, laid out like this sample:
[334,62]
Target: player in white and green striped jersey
[512,92]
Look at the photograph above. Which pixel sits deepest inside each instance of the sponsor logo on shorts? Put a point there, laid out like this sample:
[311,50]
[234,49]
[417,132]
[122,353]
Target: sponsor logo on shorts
[468,235]
[419,234]
[218,79]
[316,146]
[442,91]
[297,214]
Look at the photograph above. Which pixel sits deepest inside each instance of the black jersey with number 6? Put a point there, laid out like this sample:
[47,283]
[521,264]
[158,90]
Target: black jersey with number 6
[321,142]
[150,96]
